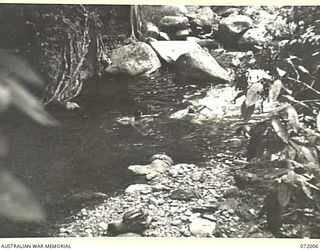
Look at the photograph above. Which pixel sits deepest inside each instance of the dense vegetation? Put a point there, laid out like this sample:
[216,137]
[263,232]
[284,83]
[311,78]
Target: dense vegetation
[287,140]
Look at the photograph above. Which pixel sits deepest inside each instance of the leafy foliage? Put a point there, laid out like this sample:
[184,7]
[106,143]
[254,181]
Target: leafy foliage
[16,200]
[289,135]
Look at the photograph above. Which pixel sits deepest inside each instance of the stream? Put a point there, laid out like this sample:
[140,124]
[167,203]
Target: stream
[90,151]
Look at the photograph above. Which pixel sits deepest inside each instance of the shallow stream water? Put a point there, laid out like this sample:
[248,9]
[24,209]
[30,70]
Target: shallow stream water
[90,151]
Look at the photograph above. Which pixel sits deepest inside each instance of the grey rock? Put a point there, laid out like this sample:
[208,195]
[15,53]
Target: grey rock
[170,51]
[138,188]
[176,222]
[199,66]
[103,226]
[206,16]
[254,36]
[173,23]
[152,170]
[235,24]
[196,175]
[163,157]
[133,59]
[202,227]
[232,27]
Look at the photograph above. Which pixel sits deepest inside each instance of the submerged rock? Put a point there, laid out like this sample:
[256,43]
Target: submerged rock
[199,66]
[133,59]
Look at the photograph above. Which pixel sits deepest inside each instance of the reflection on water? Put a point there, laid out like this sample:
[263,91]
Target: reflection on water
[91,151]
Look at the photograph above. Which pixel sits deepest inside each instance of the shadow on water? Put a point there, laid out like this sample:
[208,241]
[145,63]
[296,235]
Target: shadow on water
[90,151]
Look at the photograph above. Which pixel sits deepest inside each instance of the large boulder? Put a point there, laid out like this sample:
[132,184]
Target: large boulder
[203,20]
[154,13]
[173,23]
[170,51]
[133,59]
[199,66]
[232,28]
[207,16]
[174,10]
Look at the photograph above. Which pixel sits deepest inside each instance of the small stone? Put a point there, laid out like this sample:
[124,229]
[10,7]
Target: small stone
[196,175]
[176,222]
[138,188]
[84,211]
[88,231]
[183,194]
[202,228]
[225,213]
[173,172]
[162,157]
[103,226]
[188,212]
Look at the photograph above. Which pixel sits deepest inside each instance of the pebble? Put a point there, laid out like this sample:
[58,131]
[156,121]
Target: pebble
[176,222]
[196,175]
[202,227]
[138,188]
[173,172]
[84,211]
[103,225]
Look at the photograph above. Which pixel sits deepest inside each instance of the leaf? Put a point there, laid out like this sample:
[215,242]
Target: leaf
[284,194]
[281,72]
[29,104]
[276,173]
[17,201]
[13,66]
[303,69]
[275,90]
[252,93]
[301,181]
[306,156]
[293,118]
[280,130]
[246,112]
[292,99]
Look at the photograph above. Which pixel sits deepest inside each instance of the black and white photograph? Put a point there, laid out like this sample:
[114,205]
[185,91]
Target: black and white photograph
[170,121]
